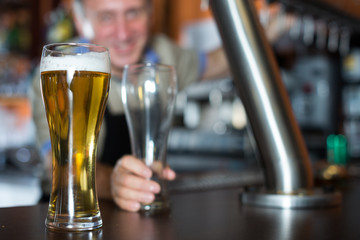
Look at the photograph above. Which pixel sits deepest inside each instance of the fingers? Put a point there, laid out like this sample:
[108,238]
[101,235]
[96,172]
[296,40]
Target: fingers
[169,174]
[128,180]
[137,167]
[131,184]
[129,199]
[134,195]
[134,165]
[131,206]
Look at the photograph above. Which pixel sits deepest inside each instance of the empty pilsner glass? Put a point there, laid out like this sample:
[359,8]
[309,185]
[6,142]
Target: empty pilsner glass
[148,93]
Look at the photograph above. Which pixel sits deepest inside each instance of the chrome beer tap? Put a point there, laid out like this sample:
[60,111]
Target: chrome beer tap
[288,173]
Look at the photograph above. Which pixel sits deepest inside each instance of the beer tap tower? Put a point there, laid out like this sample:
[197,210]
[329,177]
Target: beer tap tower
[288,173]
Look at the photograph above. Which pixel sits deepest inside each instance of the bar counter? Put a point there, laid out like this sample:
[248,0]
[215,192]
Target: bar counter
[209,214]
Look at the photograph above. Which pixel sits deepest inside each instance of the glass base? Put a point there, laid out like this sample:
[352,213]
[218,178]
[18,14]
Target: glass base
[67,223]
[156,207]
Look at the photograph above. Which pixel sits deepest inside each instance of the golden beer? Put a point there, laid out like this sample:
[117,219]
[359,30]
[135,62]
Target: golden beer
[74,114]
[75,81]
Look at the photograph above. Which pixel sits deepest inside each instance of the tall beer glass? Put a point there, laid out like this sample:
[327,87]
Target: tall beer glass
[75,81]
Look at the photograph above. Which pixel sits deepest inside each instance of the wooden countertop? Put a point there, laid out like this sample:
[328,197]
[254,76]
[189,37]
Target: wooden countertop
[210,214]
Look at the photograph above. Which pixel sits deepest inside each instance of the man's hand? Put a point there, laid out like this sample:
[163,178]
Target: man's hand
[130,184]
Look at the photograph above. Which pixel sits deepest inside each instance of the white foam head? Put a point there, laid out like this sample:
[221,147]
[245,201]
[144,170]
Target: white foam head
[91,61]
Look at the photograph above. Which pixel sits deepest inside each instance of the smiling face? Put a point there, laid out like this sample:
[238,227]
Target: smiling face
[120,25]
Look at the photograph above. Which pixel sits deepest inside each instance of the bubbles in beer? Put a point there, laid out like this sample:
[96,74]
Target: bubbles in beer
[91,61]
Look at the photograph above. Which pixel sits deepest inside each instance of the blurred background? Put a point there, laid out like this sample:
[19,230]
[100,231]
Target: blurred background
[319,58]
